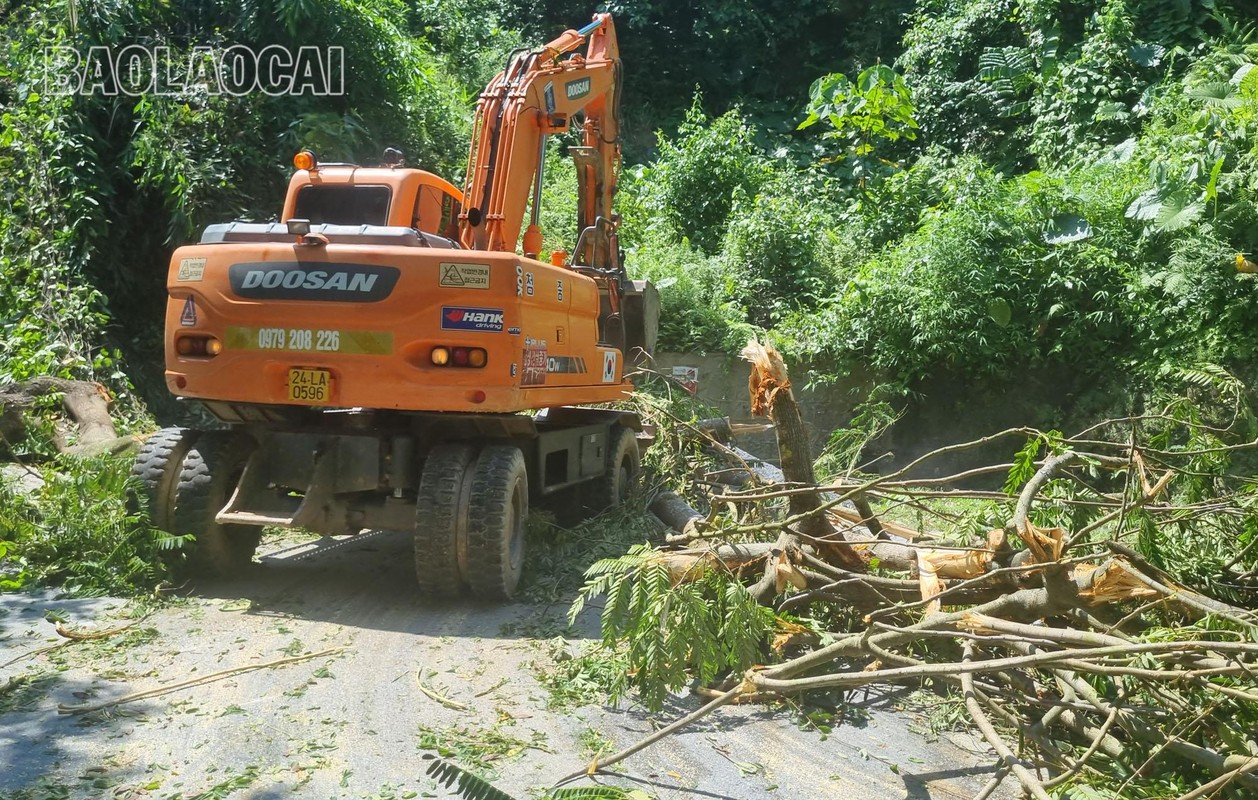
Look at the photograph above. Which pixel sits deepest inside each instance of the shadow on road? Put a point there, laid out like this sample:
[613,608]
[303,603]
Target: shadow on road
[363,581]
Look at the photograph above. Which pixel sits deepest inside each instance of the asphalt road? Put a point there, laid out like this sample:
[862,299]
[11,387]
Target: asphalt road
[354,724]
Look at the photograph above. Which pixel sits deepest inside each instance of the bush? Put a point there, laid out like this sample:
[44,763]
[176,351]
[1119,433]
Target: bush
[84,529]
[988,285]
[697,312]
[700,175]
[777,254]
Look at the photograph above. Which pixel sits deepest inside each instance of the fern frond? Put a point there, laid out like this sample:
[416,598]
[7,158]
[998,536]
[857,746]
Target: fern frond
[1011,64]
[1211,376]
[1023,466]
[590,793]
[464,783]
[616,609]
[168,541]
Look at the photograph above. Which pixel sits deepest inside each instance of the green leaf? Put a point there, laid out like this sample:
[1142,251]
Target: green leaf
[1212,185]
[1023,466]
[1121,152]
[1177,213]
[1146,54]
[1219,94]
[1000,311]
[1066,228]
[809,122]
[1146,207]
[1112,110]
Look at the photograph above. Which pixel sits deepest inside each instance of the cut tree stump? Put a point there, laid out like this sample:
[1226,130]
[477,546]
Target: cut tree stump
[770,390]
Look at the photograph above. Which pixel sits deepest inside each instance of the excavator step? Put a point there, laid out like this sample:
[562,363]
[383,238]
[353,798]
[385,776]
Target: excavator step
[252,518]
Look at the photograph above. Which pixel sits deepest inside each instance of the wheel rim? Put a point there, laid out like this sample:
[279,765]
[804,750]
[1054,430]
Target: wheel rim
[515,540]
[462,557]
[622,484]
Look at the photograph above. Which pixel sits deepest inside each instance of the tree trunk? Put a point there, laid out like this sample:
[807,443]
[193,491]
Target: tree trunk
[86,404]
[770,390]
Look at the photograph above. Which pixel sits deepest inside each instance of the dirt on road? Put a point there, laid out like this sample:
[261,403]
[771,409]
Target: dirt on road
[482,685]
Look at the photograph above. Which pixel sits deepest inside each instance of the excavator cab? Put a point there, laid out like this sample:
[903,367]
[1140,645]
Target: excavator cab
[349,194]
[348,204]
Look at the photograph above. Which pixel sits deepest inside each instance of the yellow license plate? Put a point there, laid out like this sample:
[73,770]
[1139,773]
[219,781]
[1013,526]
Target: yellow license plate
[309,385]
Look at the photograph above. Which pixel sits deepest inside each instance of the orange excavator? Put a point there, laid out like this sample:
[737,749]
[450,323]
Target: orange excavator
[384,358]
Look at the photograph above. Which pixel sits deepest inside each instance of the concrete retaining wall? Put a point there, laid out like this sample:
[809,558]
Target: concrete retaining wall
[953,412]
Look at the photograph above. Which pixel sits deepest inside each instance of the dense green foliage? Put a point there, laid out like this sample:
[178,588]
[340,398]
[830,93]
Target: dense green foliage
[84,529]
[762,54]
[99,187]
[1042,186]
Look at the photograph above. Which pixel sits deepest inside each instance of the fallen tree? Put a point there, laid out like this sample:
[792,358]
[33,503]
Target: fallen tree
[1095,617]
[83,427]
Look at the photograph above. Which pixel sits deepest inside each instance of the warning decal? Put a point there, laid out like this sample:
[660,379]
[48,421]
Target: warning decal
[533,368]
[464,276]
[191,269]
[188,317]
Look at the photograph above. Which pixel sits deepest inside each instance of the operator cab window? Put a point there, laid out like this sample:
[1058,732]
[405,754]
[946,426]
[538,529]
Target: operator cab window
[343,205]
[436,212]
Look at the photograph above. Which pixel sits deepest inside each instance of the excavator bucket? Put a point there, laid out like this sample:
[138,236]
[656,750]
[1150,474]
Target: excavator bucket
[640,308]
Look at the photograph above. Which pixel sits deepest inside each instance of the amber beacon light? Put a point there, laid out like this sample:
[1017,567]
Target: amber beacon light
[305,160]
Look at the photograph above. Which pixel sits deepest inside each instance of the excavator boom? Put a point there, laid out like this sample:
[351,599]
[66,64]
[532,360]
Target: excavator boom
[537,95]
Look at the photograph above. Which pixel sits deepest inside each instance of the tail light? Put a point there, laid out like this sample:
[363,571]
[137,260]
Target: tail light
[205,346]
[474,357]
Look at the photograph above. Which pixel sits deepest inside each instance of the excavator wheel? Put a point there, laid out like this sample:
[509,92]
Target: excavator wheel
[496,513]
[157,467]
[210,473]
[623,465]
[441,519]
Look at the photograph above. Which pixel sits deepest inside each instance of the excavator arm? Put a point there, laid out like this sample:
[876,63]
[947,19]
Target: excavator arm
[537,95]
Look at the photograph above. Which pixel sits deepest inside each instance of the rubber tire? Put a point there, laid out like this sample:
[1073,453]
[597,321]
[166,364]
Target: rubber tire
[210,472]
[440,519]
[157,466]
[623,465]
[497,511]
